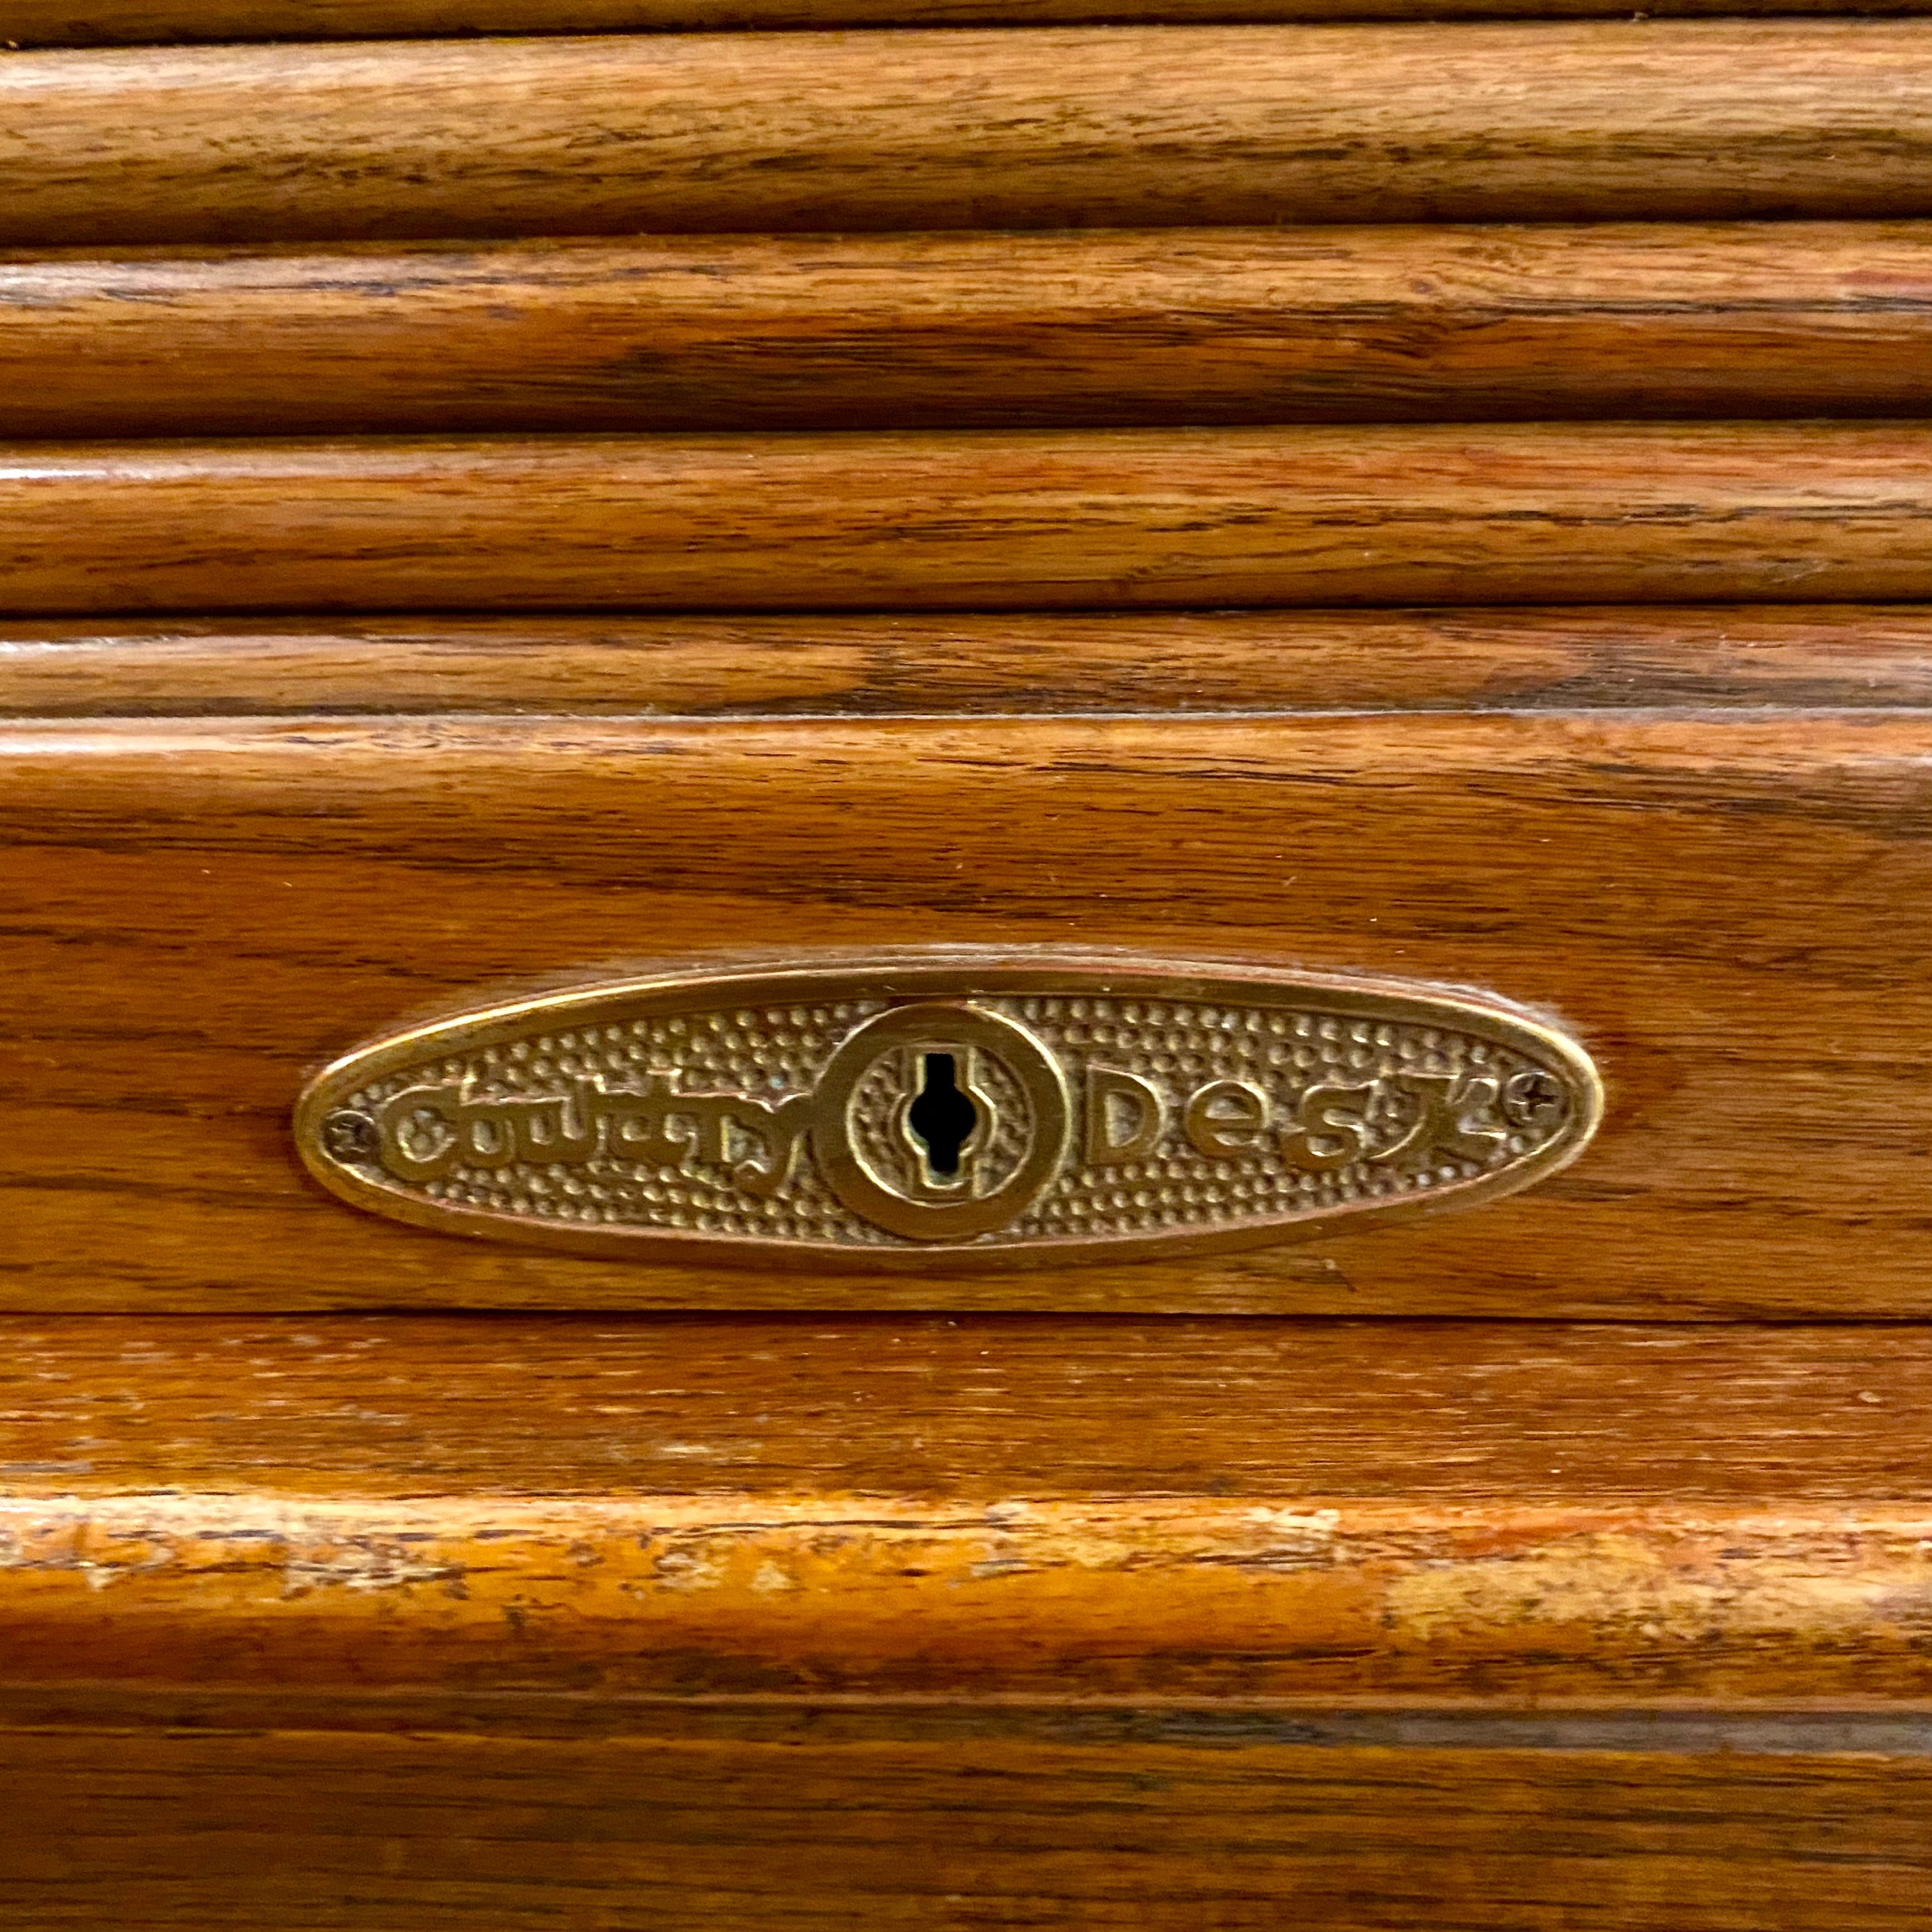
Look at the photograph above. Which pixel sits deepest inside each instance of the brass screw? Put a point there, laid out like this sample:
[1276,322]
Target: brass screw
[1533,1100]
[348,1137]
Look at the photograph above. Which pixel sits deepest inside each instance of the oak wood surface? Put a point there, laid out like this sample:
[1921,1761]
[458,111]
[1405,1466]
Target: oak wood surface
[1579,658]
[435,1834]
[98,22]
[1046,127]
[1378,515]
[929,331]
[1062,1510]
[1717,902]
[379,1622]
[943,1410]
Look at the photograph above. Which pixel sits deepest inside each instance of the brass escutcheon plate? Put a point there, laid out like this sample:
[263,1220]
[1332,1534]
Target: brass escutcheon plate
[948,1111]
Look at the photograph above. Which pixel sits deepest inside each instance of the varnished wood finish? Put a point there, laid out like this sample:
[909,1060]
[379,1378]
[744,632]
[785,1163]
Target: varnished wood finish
[364,1623]
[1447,1415]
[806,1829]
[1458,1514]
[1235,325]
[1684,119]
[1768,1104]
[98,22]
[1072,1616]
[1424,513]
[1581,658]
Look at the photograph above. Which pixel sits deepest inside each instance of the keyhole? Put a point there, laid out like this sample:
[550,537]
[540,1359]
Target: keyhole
[942,1116]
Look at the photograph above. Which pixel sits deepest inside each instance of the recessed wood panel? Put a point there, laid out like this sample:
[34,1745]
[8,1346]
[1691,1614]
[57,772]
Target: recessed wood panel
[1684,120]
[1716,904]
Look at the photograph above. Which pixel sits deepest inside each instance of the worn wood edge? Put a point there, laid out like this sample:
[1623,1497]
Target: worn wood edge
[390,1520]
[31,23]
[1070,328]
[807,1592]
[1373,516]
[1580,658]
[1690,119]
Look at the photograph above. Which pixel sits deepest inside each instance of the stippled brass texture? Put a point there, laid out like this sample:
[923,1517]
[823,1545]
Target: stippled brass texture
[948,1110]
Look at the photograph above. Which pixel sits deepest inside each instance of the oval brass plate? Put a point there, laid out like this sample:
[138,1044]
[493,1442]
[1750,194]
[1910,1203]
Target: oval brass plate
[958,1110]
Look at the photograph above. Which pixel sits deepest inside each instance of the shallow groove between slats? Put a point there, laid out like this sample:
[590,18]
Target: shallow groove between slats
[99,22]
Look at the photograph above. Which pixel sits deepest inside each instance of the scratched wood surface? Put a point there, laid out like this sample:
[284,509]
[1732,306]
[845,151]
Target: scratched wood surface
[437,1834]
[1716,901]
[958,128]
[1466,1517]
[1172,1623]
[929,331]
[1581,658]
[97,22]
[1508,513]
[940,1410]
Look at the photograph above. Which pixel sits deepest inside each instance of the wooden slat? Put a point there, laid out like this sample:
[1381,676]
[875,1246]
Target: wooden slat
[1253,326]
[1515,514]
[743,1593]
[1688,119]
[1719,903]
[97,22]
[1449,1513]
[803,1830]
[1577,659]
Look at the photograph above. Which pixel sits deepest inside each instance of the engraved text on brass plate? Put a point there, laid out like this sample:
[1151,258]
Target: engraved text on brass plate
[949,1109]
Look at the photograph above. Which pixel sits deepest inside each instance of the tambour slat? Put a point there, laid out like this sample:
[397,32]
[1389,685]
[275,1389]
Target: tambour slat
[1122,126]
[97,22]
[1595,512]
[1841,656]
[1240,325]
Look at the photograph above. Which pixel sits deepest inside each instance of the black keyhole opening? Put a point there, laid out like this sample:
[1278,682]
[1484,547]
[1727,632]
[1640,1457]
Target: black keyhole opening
[942,1116]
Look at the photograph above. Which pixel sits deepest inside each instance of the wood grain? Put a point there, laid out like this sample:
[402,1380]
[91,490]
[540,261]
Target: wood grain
[444,1835]
[1153,1623]
[1582,658]
[1060,1510]
[1424,513]
[1110,126]
[197,913]
[108,23]
[1899,1729]
[933,331]
[938,1410]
